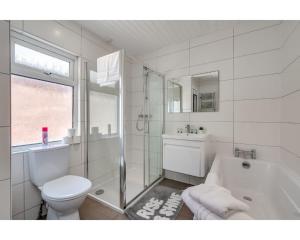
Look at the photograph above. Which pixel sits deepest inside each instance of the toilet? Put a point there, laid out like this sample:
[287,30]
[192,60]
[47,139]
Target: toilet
[48,169]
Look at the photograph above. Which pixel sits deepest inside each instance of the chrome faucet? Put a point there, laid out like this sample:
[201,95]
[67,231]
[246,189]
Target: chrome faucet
[188,128]
[245,153]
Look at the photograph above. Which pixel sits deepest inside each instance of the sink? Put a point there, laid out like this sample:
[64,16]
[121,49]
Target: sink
[187,136]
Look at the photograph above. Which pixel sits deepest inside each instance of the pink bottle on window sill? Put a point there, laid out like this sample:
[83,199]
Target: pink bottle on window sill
[45,135]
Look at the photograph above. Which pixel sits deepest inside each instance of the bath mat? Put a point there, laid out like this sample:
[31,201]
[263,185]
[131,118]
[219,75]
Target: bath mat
[159,203]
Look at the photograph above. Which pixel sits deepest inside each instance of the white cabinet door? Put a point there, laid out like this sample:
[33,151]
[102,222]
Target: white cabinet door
[184,157]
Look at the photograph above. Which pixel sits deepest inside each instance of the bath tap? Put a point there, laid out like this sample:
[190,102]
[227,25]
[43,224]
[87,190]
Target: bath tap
[188,128]
[245,153]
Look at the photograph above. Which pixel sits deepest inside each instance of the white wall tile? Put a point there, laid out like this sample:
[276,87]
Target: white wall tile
[171,127]
[261,110]
[290,137]
[226,90]
[173,61]
[257,64]
[32,213]
[32,195]
[219,35]
[291,48]
[225,69]
[5,200]
[4,99]
[258,87]
[177,117]
[224,114]
[223,148]
[221,131]
[212,52]
[17,168]
[4,47]
[91,51]
[77,170]
[267,134]
[4,153]
[75,156]
[17,199]
[26,167]
[290,78]
[258,41]
[19,216]
[290,108]
[55,33]
[175,73]
[172,48]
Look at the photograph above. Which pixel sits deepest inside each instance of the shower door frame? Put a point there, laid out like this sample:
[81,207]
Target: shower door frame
[160,178]
[123,204]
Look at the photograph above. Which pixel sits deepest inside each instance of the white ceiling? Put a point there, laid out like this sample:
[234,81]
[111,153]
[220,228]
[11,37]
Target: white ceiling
[142,37]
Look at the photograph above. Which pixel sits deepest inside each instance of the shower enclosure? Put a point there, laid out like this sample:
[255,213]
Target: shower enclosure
[125,122]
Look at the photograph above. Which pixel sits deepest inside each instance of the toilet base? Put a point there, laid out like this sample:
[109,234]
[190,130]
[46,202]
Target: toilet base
[54,215]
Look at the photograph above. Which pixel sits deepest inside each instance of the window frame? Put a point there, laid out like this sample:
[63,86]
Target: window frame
[26,71]
[37,74]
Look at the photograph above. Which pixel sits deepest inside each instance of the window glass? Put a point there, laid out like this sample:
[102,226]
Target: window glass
[36,104]
[38,60]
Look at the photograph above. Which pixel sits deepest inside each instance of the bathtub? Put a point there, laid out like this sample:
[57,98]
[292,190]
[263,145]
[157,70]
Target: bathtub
[270,190]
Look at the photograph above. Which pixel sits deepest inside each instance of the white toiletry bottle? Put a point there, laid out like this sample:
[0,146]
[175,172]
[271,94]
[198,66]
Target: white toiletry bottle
[109,129]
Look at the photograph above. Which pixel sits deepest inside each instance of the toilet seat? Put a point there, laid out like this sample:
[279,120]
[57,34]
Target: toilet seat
[66,188]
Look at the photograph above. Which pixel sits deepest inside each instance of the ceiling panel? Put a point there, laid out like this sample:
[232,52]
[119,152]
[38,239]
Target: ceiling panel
[142,37]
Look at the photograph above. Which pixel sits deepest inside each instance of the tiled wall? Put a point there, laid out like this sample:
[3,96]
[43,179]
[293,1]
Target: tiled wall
[5,208]
[290,101]
[248,57]
[81,43]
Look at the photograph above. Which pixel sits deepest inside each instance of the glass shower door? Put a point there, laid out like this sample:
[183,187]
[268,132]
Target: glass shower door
[105,135]
[154,125]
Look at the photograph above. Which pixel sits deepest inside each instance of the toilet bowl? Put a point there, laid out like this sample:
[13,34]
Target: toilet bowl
[63,193]
[64,196]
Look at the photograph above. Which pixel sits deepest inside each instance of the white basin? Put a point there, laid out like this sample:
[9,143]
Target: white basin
[187,136]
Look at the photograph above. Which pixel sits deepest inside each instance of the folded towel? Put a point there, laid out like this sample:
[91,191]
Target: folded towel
[200,214]
[217,199]
[108,69]
[199,211]
[204,214]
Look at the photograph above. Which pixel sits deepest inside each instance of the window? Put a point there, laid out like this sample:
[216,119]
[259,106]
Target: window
[34,59]
[36,104]
[42,91]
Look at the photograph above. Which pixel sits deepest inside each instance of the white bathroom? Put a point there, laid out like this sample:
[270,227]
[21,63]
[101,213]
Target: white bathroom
[149,119]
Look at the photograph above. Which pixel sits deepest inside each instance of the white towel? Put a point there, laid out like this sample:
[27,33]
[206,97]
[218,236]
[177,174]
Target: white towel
[108,69]
[199,211]
[204,214]
[217,199]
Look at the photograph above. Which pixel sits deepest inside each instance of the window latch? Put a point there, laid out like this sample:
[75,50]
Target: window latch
[48,73]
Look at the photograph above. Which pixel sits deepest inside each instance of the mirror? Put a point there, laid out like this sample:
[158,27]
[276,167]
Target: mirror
[196,93]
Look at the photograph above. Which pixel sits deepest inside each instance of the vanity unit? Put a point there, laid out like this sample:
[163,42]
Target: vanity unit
[186,153]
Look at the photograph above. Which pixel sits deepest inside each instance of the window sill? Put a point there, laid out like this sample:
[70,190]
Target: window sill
[25,148]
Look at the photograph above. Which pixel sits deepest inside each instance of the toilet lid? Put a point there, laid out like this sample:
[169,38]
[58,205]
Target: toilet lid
[67,187]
